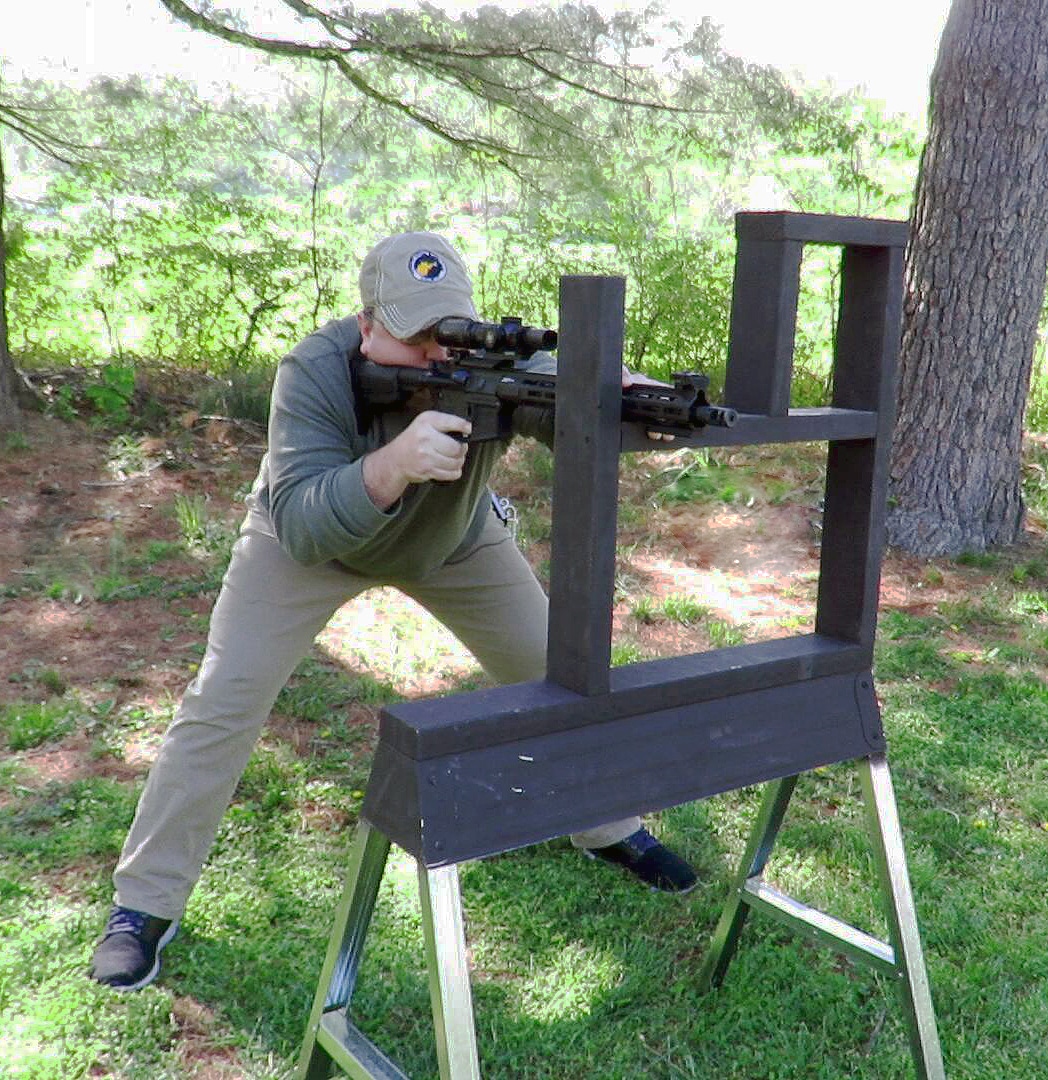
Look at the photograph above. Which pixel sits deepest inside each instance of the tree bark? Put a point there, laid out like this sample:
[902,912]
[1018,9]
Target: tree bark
[975,283]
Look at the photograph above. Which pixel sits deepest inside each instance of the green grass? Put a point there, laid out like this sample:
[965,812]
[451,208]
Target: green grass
[15,442]
[28,724]
[626,652]
[683,609]
[244,396]
[129,574]
[199,529]
[724,634]
[701,477]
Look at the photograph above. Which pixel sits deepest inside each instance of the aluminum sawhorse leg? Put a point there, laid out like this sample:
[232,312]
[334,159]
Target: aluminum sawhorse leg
[332,1039]
[902,959]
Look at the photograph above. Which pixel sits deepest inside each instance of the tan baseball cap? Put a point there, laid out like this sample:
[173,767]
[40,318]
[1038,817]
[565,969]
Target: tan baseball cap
[414,279]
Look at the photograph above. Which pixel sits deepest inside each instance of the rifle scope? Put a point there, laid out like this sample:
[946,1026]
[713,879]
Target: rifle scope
[508,336]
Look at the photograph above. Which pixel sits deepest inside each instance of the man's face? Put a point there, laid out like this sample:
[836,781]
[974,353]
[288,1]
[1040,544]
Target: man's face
[381,347]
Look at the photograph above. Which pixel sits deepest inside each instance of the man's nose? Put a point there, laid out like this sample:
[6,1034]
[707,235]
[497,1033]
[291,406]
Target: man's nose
[435,351]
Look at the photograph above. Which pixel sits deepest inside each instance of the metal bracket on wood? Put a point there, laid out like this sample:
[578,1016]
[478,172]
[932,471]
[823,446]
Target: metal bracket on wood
[900,958]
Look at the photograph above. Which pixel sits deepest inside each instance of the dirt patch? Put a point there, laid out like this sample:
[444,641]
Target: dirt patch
[138,650]
[73,760]
[203,1054]
[753,568]
[69,517]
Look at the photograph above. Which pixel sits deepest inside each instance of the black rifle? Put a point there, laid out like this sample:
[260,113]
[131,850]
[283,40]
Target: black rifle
[486,380]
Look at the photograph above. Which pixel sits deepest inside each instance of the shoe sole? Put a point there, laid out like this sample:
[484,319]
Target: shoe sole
[167,936]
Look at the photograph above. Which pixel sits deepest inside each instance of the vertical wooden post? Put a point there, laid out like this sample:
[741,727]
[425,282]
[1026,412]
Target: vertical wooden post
[856,475]
[763,323]
[586,482]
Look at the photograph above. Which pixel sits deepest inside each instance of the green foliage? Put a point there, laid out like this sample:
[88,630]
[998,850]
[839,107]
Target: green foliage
[683,609]
[644,609]
[117,585]
[125,456]
[191,514]
[112,394]
[724,634]
[141,256]
[62,822]
[1034,569]
[1029,603]
[199,530]
[214,234]
[983,559]
[623,653]
[62,404]
[911,659]
[896,625]
[243,396]
[699,476]
[316,693]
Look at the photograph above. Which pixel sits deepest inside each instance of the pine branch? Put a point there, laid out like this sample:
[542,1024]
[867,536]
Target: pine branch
[485,71]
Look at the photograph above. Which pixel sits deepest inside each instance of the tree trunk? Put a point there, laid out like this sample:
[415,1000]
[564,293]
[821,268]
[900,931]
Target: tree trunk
[10,413]
[975,282]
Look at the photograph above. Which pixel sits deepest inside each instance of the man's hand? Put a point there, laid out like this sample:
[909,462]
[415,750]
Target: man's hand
[425,450]
[633,378]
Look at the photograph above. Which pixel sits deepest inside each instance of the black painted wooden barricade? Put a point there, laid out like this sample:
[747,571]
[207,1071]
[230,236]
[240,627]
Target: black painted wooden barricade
[476,774]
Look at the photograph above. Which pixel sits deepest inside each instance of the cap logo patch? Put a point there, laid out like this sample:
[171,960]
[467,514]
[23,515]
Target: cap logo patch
[425,266]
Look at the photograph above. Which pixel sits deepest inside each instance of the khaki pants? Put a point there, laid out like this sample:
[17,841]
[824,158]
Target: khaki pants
[267,614]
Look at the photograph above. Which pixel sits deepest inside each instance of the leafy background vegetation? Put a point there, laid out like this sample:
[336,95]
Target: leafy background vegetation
[211,233]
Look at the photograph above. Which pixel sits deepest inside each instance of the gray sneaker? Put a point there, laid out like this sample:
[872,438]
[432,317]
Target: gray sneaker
[128,956]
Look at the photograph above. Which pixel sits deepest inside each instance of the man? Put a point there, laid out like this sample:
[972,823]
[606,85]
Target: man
[344,501]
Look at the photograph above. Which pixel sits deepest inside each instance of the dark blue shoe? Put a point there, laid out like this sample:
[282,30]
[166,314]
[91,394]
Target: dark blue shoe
[128,956]
[650,861]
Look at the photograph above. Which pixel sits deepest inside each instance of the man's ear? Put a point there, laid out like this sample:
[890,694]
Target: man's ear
[366,325]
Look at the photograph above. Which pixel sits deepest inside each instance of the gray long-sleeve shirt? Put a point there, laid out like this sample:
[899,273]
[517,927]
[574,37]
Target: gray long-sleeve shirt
[311,479]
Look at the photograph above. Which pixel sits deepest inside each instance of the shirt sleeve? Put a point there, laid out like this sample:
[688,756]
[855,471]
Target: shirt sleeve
[317,500]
